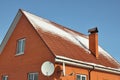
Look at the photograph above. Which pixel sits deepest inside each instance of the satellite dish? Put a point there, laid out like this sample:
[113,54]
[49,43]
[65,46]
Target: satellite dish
[47,68]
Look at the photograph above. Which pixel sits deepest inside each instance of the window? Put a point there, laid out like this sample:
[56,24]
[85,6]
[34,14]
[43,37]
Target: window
[80,77]
[5,77]
[20,46]
[33,76]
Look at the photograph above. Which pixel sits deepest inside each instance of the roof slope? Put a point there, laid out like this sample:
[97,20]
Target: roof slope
[63,41]
[68,43]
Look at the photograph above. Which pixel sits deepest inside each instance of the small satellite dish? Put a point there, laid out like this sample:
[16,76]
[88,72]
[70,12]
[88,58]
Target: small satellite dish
[47,68]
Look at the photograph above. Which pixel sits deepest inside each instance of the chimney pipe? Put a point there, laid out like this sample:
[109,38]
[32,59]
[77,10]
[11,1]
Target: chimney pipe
[93,41]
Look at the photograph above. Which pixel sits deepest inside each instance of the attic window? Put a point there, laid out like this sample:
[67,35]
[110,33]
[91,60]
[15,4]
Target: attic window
[20,46]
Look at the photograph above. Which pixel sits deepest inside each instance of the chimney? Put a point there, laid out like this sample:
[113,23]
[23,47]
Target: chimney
[93,41]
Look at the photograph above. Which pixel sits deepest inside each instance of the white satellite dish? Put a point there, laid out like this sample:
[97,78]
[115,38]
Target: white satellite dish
[47,68]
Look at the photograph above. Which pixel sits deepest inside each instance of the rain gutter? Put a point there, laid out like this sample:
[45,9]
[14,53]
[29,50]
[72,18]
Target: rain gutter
[90,66]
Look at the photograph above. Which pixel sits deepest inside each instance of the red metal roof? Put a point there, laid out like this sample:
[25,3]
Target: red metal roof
[68,43]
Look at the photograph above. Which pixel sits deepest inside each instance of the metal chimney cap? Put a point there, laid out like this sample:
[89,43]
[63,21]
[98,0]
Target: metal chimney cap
[93,30]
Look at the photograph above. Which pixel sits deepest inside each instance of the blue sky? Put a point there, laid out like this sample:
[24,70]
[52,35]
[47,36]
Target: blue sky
[79,15]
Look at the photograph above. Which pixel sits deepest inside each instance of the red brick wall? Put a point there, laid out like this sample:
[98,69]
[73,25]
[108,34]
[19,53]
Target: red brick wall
[68,70]
[36,52]
[97,75]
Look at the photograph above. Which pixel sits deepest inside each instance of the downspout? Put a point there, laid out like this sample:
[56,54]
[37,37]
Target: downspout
[89,73]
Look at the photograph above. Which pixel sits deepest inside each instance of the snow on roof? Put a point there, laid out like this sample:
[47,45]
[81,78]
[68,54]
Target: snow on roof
[47,26]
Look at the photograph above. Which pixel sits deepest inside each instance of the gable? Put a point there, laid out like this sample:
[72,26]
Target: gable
[34,45]
[35,53]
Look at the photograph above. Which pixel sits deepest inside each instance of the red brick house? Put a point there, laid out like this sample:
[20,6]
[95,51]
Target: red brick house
[32,40]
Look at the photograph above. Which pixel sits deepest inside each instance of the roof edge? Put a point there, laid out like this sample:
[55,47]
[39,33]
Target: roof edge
[61,59]
[10,30]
